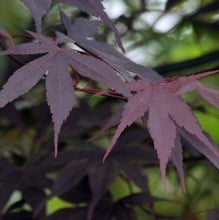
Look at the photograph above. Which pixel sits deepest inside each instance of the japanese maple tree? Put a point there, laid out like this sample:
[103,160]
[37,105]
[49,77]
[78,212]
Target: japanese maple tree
[145,94]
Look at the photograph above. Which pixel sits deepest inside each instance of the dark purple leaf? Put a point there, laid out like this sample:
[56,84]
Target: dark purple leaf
[80,193]
[161,128]
[132,110]
[113,121]
[184,84]
[103,209]
[100,179]
[85,28]
[12,115]
[210,95]
[5,166]
[27,48]
[165,111]
[97,70]
[182,115]
[105,51]
[36,178]
[58,83]
[125,213]
[135,173]
[177,160]
[22,80]
[65,158]
[137,199]
[132,137]
[94,7]
[60,94]
[54,64]
[18,215]
[70,176]
[10,181]
[143,153]
[199,146]
[38,9]
[68,214]
[33,196]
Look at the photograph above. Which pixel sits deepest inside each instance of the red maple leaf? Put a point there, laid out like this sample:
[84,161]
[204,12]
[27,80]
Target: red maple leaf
[54,63]
[164,111]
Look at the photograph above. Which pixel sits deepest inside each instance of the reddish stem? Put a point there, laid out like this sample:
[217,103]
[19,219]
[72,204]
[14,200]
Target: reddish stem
[99,92]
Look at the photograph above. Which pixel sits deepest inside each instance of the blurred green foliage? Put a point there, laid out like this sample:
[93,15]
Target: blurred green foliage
[14,17]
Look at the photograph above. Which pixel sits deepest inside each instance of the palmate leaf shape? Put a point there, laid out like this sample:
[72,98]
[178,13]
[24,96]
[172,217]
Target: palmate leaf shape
[54,63]
[164,111]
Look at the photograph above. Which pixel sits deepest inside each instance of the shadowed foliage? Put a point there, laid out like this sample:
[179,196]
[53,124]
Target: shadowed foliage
[101,171]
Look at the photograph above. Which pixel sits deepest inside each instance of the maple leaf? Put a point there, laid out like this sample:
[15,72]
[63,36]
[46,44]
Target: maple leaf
[164,111]
[210,95]
[100,178]
[176,158]
[60,92]
[83,28]
[38,9]
[94,7]
[186,84]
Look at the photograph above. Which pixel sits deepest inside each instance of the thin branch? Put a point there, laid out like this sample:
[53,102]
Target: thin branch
[107,93]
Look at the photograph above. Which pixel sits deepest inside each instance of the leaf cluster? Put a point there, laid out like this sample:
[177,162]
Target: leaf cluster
[157,101]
